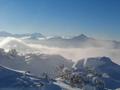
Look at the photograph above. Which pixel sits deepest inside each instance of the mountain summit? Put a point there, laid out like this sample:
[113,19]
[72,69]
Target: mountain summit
[4,34]
[80,37]
[105,66]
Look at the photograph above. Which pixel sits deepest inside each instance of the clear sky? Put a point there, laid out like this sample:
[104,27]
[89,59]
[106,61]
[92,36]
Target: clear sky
[96,18]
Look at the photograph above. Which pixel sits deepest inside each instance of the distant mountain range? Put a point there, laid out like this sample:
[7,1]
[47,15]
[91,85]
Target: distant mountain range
[24,36]
[80,41]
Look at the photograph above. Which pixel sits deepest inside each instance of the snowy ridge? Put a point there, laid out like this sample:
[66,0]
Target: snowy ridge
[104,65]
[4,67]
[12,78]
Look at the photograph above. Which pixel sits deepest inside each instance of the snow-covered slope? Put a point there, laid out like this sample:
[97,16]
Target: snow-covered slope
[12,59]
[10,78]
[39,64]
[104,65]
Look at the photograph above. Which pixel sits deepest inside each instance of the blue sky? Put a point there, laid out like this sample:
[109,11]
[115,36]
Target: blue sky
[95,18]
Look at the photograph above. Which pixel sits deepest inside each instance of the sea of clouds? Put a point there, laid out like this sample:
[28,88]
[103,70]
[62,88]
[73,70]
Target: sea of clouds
[70,53]
[78,53]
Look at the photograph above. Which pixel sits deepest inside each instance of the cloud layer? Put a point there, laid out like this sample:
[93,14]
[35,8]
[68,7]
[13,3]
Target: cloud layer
[69,53]
[78,53]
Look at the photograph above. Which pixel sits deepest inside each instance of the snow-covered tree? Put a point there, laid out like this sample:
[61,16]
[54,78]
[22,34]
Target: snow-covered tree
[81,77]
[77,79]
[45,76]
[2,51]
[13,52]
[98,82]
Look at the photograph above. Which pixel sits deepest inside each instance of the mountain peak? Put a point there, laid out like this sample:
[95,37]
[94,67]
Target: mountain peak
[105,59]
[56,38]
[4,33]
[81,37]
[93,62]
[36,35]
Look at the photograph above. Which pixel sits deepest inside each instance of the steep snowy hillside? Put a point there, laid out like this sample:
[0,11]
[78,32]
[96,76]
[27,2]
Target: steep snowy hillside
[10,78]
[105,66]
[19,80]
[85,71]
[12,59]
[39,64]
